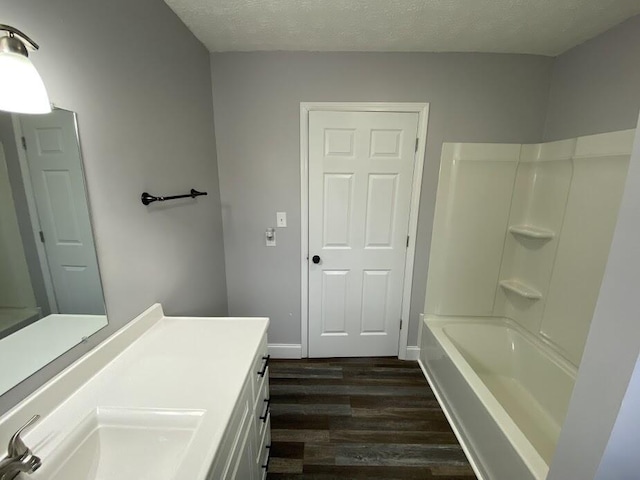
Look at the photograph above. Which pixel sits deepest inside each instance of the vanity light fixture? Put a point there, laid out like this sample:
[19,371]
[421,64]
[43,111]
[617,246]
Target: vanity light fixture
[21,88]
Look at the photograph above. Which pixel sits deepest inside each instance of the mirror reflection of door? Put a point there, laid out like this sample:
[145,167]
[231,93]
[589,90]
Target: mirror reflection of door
[57,180]
[48,261]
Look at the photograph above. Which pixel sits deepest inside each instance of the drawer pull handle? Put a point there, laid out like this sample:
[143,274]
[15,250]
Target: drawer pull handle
[266,410]
[264,367]
[266,465]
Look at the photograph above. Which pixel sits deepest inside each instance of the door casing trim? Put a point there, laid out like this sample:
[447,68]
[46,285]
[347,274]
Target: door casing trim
[422,109]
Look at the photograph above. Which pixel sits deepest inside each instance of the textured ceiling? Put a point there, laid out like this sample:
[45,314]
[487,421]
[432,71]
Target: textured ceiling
[545,27]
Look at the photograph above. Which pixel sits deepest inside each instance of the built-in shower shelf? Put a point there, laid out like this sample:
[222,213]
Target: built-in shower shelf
[531,232]
[521,289]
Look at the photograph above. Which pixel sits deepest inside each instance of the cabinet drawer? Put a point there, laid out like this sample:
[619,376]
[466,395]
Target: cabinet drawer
[259,369]
[262,407]
[264,451]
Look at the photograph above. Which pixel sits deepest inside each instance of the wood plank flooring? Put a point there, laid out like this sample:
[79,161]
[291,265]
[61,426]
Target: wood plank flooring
[359,418]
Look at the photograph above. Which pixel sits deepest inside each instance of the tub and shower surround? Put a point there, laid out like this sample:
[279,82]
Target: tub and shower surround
[520,243]
[523,232]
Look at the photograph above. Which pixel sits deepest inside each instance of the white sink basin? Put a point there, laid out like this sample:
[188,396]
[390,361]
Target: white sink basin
[123,444]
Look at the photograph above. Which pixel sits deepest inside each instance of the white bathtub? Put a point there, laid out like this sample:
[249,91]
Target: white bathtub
[505,392]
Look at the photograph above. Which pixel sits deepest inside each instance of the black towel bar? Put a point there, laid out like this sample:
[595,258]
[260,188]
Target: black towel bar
[147,198]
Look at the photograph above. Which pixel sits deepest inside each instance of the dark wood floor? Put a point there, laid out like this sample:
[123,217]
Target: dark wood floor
[361,418]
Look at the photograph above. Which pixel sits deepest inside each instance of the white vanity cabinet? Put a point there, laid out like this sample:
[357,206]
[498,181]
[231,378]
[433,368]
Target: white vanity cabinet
[189,394]
[244,450]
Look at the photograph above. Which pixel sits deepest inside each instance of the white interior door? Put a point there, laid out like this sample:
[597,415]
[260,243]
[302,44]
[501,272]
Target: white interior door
[56,174]
[361,168]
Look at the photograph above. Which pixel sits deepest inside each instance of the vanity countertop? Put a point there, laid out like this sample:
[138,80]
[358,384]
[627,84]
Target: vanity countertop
[174,364]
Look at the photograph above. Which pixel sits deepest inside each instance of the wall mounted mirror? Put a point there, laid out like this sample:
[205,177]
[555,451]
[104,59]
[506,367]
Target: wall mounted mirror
[50,289]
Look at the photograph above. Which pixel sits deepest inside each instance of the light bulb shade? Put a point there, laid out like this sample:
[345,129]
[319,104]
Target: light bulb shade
[21,88]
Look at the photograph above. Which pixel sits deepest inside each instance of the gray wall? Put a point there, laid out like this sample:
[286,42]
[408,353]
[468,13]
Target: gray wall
[8,140]
[595,86]
[141,85]
[473,97]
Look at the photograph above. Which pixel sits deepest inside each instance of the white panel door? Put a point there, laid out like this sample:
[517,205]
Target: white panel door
[360,178]
[56,173]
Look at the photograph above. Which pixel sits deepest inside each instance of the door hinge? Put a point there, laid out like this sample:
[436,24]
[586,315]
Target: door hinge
[41,236]
[400,324]
[24,143]
[407,241]
[417,143]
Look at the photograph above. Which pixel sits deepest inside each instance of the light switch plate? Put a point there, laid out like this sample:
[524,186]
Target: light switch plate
[281,219]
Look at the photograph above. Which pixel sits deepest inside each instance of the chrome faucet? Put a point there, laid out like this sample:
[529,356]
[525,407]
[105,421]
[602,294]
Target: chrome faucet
[19,459]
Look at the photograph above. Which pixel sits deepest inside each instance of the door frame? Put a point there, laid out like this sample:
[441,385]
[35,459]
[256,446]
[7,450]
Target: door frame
[422,109]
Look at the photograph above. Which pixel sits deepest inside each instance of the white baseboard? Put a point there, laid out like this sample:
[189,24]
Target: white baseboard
[413,353]
[285,350]
[292,350]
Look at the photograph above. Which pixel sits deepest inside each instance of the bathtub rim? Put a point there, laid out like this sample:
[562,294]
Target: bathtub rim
[520,443]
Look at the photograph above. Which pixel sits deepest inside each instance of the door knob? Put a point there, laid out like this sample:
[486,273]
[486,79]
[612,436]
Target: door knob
[315,259]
